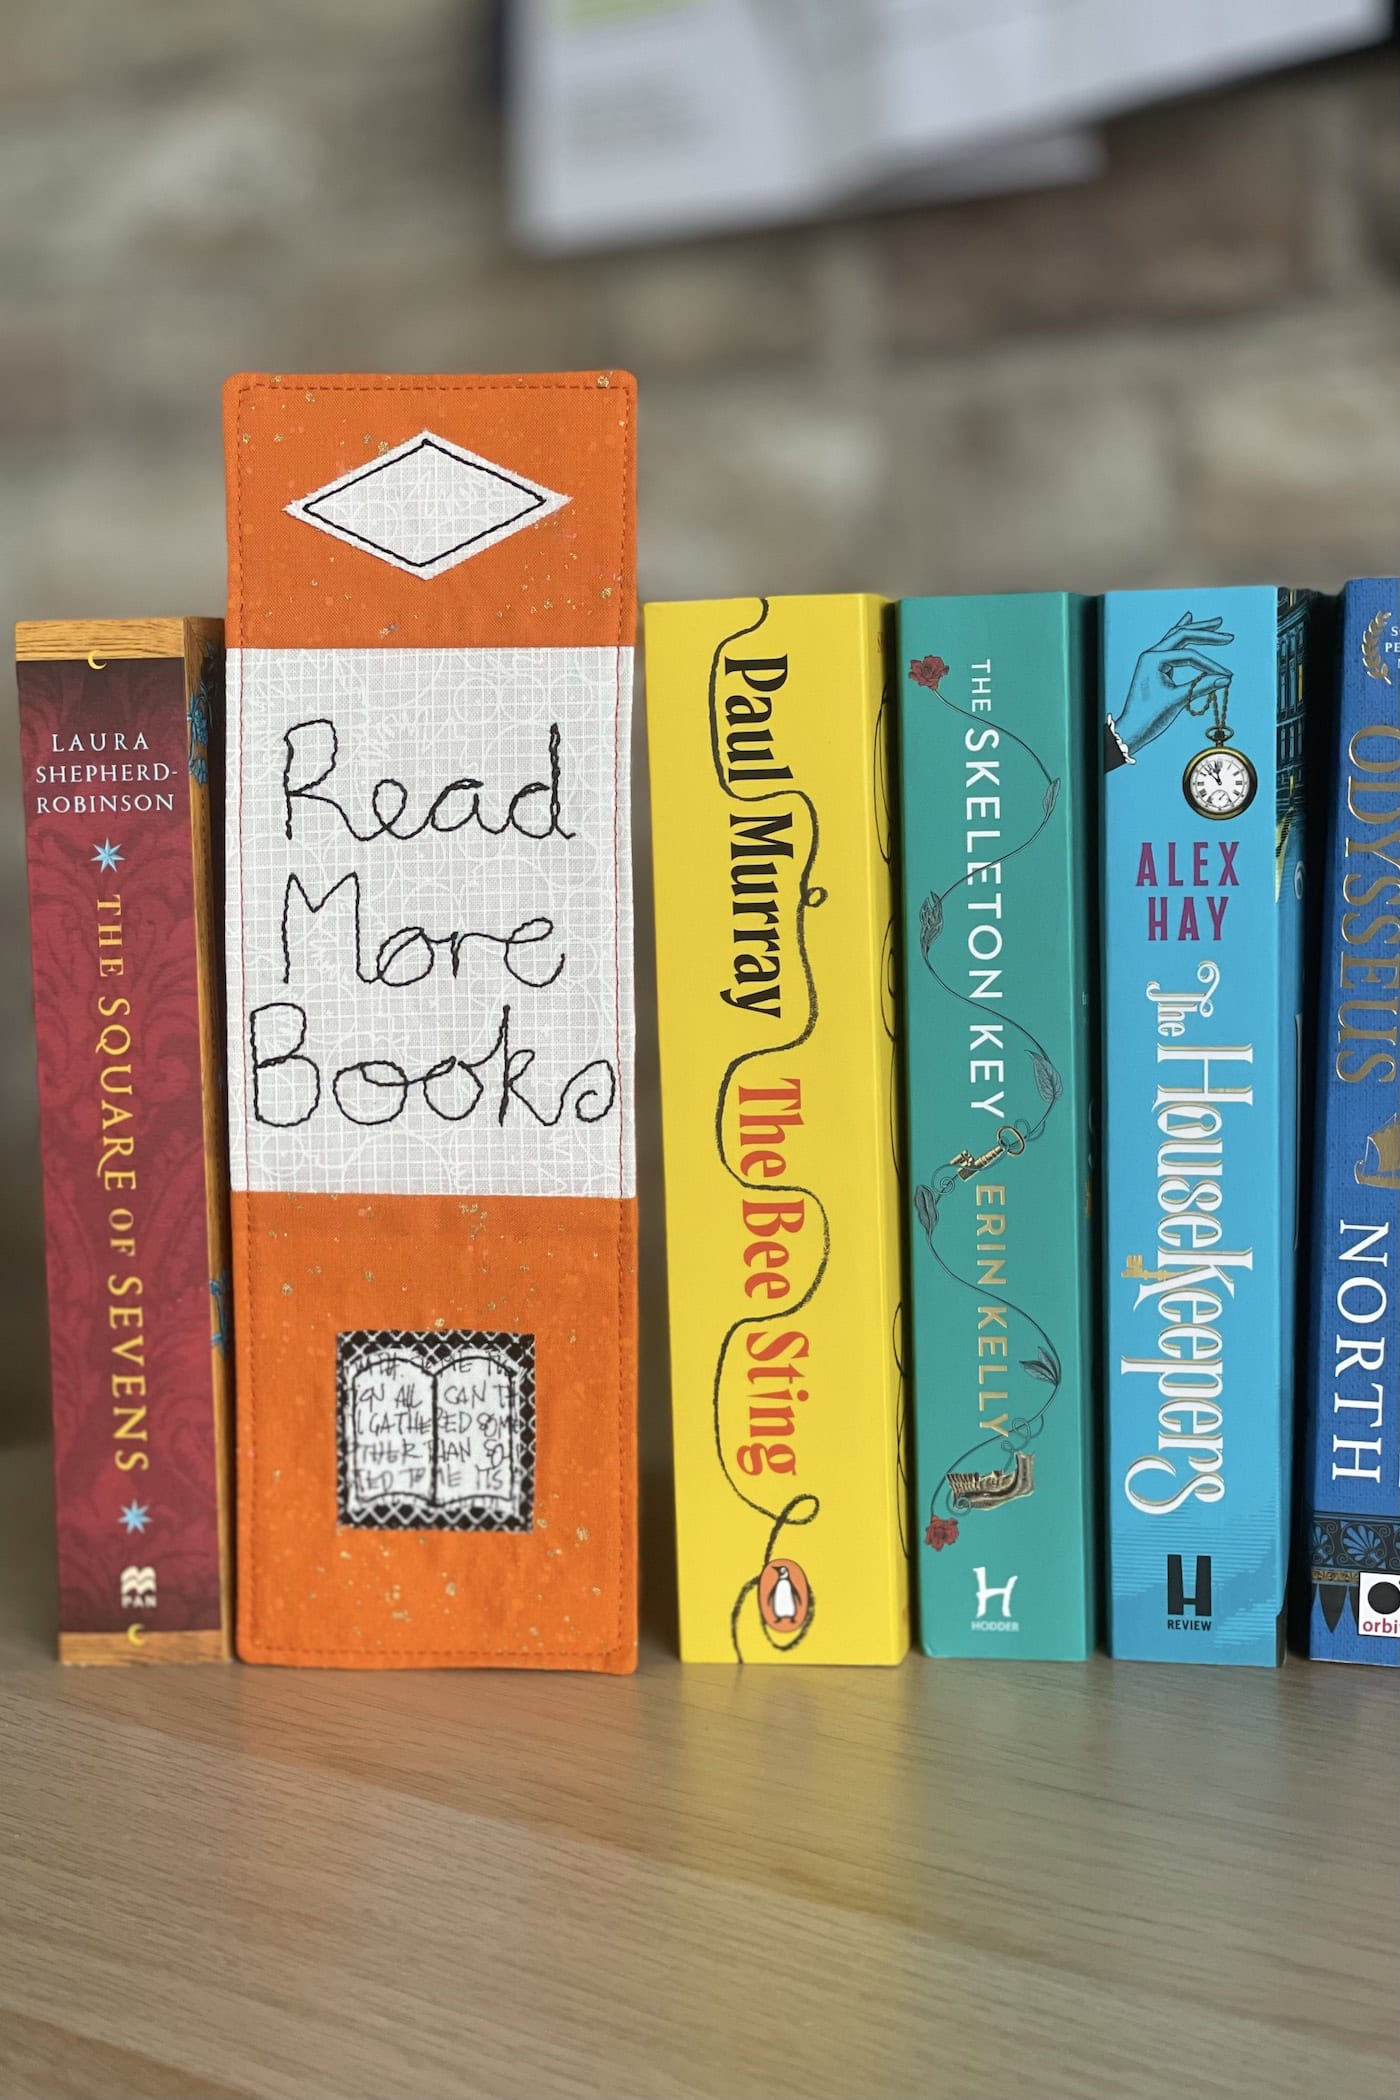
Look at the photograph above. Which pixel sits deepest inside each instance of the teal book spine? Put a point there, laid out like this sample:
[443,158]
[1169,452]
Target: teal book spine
[999,795]
[1204,754]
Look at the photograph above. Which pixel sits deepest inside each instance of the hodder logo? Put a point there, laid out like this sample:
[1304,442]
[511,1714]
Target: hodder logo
[986,1591]
[1378,1606]
[1188,1611]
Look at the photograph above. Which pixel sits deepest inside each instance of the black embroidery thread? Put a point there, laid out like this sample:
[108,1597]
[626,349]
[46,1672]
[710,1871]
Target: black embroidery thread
[527,934]
[590,1092]
[385,824]
[427,561]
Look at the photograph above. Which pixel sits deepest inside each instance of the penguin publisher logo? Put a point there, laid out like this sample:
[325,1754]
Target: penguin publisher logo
[1378,1606]
[784,1596]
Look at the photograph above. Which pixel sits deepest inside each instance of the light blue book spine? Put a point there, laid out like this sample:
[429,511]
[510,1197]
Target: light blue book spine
[1353,1441]
[1203,697]
[999,762]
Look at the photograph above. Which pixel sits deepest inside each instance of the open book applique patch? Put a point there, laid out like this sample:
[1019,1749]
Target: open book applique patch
[436,1431]
[427,505]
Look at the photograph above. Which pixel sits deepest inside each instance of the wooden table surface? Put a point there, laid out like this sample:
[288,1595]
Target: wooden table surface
[947,1879]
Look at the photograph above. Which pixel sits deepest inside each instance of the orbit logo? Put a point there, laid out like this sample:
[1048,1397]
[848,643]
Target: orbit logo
[1378,1606]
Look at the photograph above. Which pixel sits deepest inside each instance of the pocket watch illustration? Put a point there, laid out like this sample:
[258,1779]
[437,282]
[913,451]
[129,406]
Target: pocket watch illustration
[1219,782]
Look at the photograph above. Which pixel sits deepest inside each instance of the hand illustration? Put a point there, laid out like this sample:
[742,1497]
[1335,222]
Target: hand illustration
[1168,675]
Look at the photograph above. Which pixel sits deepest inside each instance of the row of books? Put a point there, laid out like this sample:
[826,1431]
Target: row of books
[1029,977]
[331,922]
[982,938]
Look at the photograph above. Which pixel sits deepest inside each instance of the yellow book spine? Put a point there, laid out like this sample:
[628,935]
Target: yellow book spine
[770,810]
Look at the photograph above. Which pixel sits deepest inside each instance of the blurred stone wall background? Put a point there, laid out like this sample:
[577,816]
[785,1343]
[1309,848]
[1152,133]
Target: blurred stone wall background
[1185,369]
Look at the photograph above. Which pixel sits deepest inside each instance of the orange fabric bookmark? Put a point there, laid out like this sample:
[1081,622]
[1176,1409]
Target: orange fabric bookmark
[431,1018]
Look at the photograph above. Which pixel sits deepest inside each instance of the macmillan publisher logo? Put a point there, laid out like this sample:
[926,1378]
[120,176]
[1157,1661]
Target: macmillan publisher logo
[1378,1606]
[1188,1611]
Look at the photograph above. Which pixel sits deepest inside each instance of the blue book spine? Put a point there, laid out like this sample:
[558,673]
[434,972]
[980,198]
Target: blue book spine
[1203,920]
[1352,1462]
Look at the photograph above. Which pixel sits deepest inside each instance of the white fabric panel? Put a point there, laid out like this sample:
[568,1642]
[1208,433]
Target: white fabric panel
[475,1036]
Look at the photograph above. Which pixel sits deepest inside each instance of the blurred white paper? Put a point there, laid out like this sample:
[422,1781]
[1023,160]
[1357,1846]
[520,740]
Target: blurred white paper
[636,120]
[954,73]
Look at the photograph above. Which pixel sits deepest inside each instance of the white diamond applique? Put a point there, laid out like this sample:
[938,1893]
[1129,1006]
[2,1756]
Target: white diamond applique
[427,505]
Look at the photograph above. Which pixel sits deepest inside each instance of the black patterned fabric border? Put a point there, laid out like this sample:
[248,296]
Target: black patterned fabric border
[1347,1546]
[439,1461]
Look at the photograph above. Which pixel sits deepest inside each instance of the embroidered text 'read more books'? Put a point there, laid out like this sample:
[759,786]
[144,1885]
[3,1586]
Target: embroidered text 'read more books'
[771,826]
[999,800]
[430,1018]
[1352,1451]
[1203,881]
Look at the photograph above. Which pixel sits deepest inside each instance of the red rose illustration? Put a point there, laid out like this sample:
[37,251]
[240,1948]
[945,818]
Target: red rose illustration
[929,671]
[942,1531]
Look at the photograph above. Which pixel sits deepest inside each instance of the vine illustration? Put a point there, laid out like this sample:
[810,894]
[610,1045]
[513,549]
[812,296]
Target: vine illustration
[960,1488]
[889,1018]
[804,1508]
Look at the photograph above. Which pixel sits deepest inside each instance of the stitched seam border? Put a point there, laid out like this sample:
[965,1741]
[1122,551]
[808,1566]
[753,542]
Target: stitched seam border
[619,1548]
[521,384]
[576,1658]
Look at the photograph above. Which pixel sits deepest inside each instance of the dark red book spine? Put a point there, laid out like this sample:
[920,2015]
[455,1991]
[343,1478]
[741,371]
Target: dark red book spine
[116,752]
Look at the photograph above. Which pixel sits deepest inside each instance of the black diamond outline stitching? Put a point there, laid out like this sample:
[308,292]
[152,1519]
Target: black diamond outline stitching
[382,466]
